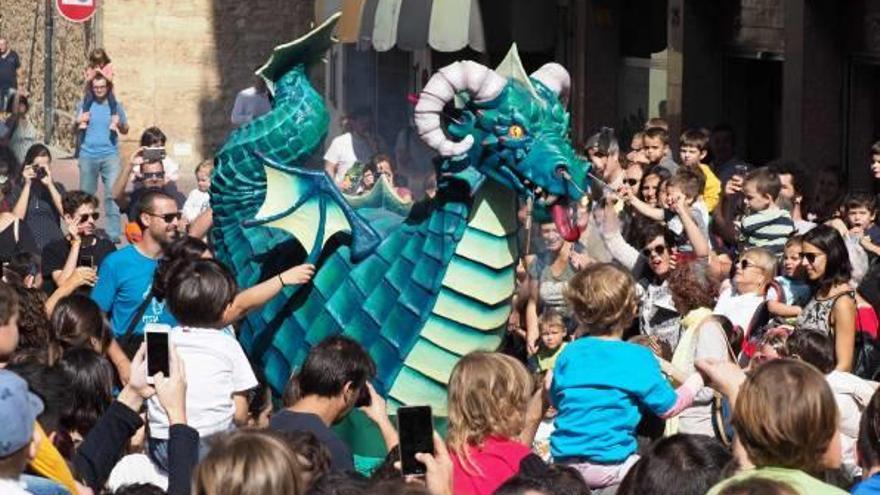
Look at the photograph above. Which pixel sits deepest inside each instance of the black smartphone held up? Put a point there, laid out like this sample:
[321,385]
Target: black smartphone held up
[415,425]
[86,260]
[157,350]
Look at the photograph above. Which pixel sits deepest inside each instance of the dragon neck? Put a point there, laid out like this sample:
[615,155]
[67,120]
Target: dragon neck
[475,280]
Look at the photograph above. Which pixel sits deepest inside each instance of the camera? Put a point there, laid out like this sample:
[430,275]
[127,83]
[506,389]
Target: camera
[39,171]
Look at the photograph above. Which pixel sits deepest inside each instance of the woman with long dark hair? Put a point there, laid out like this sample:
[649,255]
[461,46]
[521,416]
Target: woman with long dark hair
[15,236]
[39,197]
[832,310]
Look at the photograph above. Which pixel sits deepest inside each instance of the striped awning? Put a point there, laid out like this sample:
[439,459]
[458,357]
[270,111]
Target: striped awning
[444,25]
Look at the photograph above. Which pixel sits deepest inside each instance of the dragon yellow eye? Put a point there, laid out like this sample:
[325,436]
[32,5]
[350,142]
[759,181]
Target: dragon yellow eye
[516,131]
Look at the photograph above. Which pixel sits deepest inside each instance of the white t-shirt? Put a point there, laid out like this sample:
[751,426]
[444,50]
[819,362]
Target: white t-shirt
[249,104]
[346,150]
[216,367]
[738,308]
[196,203]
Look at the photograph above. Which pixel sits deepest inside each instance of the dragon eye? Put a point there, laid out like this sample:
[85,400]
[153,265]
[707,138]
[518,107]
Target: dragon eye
[516,131]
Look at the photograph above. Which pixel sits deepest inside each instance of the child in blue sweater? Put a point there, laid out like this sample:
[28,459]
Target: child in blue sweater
[600,382]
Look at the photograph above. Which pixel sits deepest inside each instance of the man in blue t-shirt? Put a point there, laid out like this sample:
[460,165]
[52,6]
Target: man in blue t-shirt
[126,276]
[98,153]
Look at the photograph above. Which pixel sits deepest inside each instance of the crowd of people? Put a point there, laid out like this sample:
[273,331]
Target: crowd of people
[712,330]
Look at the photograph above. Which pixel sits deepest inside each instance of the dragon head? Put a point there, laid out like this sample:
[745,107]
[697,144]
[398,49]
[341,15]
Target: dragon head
[513,129]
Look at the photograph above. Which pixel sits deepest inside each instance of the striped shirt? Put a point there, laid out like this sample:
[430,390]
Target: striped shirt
[767,229]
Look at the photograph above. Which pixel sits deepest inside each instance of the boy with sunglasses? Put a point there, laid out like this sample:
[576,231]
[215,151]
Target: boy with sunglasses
[82,249]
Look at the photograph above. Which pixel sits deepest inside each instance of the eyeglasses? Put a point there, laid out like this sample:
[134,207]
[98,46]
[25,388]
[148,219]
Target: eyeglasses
[154,175]
[167,217]
[659,250]
[85,217]
[631,182]
[811,257]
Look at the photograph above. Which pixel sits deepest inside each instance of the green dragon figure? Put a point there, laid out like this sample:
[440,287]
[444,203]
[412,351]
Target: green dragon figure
[419,288]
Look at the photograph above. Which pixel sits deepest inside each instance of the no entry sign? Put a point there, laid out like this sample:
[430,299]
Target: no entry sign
[76,10]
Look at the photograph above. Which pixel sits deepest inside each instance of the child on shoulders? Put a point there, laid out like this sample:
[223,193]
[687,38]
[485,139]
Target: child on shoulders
[199,199]
[601,384]
[99,63]
[766,225]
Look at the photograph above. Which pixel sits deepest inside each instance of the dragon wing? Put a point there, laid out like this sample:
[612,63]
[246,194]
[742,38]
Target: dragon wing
[307,205]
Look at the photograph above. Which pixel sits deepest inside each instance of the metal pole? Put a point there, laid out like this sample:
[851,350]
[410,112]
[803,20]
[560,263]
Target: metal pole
[48,89]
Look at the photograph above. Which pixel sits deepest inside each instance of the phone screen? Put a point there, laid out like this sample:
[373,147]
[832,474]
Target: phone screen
[157,353]
[86,260]
[415,425]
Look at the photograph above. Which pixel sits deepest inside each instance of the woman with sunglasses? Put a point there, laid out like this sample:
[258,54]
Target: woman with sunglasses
[832,310]
[81,250]
[746,293]
[658,316]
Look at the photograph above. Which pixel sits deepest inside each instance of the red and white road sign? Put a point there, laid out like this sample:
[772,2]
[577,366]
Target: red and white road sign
[76,10]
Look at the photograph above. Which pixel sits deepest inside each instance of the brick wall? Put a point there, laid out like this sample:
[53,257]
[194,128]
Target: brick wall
[180,63]
[23,24]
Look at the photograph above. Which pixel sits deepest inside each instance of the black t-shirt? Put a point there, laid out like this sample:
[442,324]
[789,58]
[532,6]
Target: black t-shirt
[55,255]
[8,71]
[289,421]
[12,242]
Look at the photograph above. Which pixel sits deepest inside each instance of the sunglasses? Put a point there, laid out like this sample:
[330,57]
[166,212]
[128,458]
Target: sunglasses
[659,250]
[631,182]
[85,217]
[168,217]
[811,257]
[744,264]
[154,175]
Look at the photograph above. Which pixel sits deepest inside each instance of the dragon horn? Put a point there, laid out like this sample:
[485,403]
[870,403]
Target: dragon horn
[481,82]
[555,77]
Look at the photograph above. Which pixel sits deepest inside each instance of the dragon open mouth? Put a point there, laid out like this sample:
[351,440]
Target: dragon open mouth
[559,211]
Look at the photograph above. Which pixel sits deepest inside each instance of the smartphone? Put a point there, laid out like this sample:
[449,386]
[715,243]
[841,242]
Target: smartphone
[415,425]
[157,349]
[154,154]
[741,170]
[86,260]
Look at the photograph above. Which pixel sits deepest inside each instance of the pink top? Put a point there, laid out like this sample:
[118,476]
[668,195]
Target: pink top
[498,460]
[106,71]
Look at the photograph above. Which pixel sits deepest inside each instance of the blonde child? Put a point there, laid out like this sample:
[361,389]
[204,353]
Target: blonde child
[601,404]
[99,63]
[552,331]
[490,428]
[795,290]
[199,199]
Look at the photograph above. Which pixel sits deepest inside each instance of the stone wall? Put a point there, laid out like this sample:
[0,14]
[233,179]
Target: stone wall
[180,63]
[23,24]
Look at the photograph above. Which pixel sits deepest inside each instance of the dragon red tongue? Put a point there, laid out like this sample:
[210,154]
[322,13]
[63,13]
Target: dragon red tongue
[569,231]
